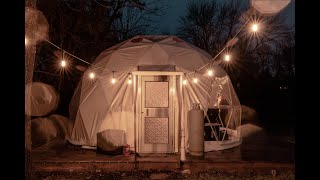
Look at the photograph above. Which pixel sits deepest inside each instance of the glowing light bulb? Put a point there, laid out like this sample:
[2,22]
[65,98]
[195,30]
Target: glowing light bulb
[129,81]
[210,73]
[63,63]
[227,57]
[255,27]
[113,80]
[185,82]
[25,41]
[92,75]
[195,80]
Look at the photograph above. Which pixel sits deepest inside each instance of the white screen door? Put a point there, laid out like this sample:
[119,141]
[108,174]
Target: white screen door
[156,132]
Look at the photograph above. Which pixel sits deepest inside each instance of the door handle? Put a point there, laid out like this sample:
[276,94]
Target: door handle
[147,112]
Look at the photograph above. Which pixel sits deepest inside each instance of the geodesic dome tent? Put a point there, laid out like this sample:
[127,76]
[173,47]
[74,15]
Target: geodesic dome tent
[152,110]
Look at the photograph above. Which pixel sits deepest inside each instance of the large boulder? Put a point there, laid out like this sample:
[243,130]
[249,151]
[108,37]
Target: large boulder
[47,129]
[111,141]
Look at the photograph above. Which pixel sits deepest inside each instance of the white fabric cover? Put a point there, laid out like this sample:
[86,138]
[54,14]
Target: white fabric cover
[44,99]
[98,104]
[111,139]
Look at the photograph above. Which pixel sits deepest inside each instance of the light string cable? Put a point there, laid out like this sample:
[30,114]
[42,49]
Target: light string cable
[63,50]
[223,48]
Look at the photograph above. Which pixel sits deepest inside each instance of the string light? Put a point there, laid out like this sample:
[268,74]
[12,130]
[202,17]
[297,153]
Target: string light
[195,80]
[255,27]
[25,41]
[210,73]
[113,80]
[130,80]
[91,75]
[185,82]
[227,57]
[63,63]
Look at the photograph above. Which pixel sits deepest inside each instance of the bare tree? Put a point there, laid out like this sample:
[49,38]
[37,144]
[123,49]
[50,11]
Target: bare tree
[95,25]
[82,24]
[209,25]
[283,61]
[137,19]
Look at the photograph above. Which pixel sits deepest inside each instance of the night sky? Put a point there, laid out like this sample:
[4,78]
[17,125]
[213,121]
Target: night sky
[177,8]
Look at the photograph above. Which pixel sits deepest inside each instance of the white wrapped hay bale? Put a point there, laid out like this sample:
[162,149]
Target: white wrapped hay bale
[251,131]
[248,115]
[44,99]
[62,124]
[46,129]
[269,7]
[42,131]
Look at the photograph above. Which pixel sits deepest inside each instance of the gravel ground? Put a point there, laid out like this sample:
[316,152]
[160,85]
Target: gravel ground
[164,175]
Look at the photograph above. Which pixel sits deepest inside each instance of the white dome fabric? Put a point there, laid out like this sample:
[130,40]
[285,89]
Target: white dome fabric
[98,104]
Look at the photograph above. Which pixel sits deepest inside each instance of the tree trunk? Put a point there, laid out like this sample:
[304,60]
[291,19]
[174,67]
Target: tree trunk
[30,51]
